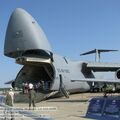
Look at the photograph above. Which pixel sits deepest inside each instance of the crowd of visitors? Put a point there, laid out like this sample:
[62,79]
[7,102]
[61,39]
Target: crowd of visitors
[39,86]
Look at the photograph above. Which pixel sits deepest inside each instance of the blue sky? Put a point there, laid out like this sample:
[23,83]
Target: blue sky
[71,26]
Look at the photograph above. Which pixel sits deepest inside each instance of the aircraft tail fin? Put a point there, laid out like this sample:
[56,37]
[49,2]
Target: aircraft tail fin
[97,53]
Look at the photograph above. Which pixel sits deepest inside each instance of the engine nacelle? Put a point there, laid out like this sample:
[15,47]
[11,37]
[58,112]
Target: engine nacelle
[117,74]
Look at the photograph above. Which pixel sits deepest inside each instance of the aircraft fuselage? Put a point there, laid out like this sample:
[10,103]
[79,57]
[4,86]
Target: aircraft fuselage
[35,70]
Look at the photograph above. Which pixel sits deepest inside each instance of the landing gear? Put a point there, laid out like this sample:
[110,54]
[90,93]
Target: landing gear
[62,88]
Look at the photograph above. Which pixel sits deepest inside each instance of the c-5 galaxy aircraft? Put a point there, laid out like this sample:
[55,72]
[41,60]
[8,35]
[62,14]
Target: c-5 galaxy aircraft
[26,42]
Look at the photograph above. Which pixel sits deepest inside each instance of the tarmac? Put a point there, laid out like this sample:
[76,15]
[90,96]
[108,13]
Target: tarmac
[73,108]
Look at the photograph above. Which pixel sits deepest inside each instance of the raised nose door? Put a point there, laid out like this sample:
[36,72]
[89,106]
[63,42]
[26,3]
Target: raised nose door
[23,33]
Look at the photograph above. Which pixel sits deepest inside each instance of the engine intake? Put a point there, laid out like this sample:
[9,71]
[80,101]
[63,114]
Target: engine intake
[118,74]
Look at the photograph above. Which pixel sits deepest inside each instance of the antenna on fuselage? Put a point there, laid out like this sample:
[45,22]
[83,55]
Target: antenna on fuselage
[97,53]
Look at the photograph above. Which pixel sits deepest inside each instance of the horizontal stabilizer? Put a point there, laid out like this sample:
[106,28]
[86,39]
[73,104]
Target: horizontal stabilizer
[97,53]
[97,50]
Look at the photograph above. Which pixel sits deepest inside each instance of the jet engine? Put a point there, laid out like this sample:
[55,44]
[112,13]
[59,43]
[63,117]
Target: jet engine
[117,74]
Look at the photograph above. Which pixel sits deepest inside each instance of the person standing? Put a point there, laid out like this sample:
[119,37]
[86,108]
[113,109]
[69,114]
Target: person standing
[9,100]
[26,86]
[23,88]
[30,86]
[12,95]
[32,96]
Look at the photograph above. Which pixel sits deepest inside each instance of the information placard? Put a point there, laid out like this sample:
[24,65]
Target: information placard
[96,106]
[112,107]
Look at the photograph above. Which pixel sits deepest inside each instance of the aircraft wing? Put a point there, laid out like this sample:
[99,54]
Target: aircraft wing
[96,80]
[9,82]
[102,66]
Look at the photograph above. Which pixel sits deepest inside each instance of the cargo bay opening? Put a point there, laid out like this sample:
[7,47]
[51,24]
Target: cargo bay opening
[38,70]
[42,77]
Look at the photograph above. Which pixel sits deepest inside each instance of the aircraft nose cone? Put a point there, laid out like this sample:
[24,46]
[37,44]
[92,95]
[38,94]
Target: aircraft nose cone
[23,33]
[18,11]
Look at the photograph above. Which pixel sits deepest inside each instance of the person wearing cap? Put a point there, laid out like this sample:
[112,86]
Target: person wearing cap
[32,96]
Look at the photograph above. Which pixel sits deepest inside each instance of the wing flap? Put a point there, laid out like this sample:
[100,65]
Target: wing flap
[103,66]
[96,80]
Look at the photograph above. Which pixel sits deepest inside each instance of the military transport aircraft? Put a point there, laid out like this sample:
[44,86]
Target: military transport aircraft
[26,42]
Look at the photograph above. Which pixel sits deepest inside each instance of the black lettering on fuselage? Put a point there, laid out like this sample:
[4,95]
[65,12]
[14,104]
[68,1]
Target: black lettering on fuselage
[63,70]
